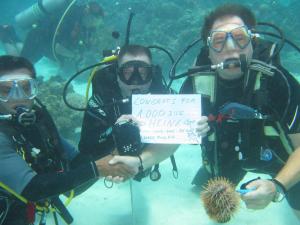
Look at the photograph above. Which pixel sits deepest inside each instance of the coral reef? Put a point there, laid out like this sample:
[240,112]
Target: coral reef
[67,120]
[173,24]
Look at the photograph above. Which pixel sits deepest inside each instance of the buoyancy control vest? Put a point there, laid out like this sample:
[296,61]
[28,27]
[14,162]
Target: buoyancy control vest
[248,144]
[40,143]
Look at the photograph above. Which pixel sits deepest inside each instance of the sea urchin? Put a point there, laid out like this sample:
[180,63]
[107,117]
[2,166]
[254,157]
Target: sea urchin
[220,199]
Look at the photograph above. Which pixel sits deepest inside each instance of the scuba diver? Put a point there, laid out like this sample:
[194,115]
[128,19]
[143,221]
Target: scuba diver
[37,164]
[248,76]
[59,32]
[113,86]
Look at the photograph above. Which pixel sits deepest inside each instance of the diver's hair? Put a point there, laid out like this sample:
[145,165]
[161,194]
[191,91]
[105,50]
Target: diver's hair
[227,10]
[10,63]
[135,50]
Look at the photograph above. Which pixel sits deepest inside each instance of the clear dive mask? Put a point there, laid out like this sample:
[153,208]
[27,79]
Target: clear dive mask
[241,36]
[17,87]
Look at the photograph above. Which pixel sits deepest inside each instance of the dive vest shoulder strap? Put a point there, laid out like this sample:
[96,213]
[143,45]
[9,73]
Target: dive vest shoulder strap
[263,50]
[47,121]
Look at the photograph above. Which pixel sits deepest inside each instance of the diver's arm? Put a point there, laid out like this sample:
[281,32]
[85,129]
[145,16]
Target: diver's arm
[151,155]
[43,186]
[47,185]
[290,173]
[295,139]
[155,153]
[265,190]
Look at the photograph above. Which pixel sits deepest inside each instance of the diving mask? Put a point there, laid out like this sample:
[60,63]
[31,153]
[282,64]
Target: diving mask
[135,72]
[17,87]
[241,36]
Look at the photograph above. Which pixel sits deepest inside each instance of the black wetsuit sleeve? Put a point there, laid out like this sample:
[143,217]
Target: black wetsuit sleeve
[48,185]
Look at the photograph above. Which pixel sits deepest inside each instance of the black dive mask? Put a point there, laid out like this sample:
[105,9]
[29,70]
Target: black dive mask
[135,72]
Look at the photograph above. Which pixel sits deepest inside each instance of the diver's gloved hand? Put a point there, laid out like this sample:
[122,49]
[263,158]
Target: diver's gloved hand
[106,169]
[263,192]
[202,126]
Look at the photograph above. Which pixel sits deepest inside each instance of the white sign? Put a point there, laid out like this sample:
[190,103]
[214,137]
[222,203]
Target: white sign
[168,118]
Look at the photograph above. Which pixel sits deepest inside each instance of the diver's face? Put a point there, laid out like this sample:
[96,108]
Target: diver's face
[231,48]
[135,70]
[135,74]
[9,106]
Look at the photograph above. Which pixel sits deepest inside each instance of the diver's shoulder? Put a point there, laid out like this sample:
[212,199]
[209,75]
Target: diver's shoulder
[5,139]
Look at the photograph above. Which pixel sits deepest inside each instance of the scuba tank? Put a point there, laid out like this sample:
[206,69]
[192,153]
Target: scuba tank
[39,10]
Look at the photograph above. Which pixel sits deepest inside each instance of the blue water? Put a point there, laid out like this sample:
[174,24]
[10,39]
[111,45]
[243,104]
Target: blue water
[171,24]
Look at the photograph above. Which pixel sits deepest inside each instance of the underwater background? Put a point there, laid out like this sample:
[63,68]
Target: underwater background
[172,25]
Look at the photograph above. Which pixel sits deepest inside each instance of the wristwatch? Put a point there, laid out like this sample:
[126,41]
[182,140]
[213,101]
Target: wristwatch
[280,191]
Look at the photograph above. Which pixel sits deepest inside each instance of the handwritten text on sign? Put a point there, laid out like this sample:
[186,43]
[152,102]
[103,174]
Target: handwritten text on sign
[167,118]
